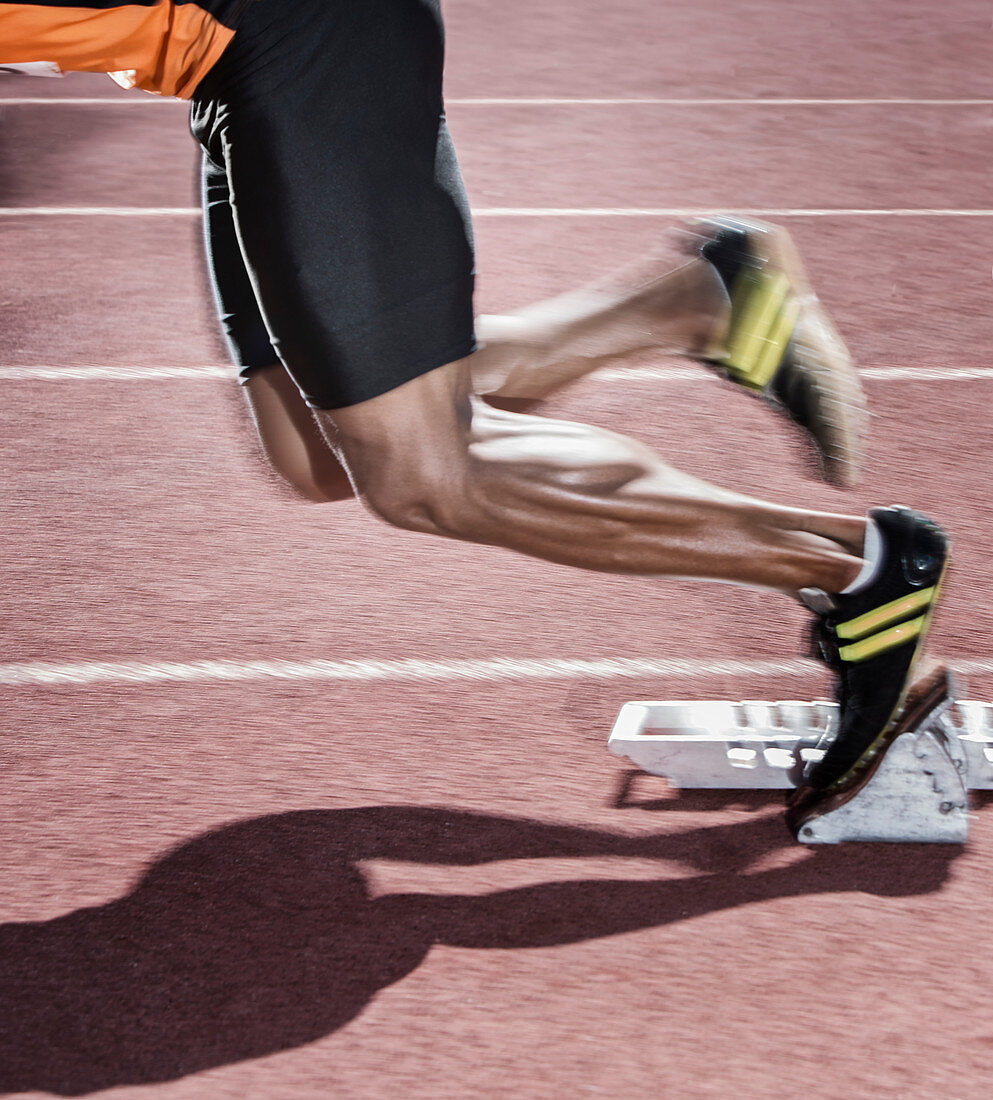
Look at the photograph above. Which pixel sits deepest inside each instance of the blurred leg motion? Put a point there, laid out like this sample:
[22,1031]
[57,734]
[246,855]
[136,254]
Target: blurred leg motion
[341,244]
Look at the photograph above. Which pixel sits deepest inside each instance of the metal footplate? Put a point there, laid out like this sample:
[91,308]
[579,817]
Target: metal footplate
[917,793]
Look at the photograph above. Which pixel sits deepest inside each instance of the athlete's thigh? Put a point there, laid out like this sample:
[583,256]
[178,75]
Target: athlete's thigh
[347,197]
[234,296]
[290,437]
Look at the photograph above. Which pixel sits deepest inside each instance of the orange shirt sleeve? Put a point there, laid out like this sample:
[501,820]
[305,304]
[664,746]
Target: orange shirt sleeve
[162,47]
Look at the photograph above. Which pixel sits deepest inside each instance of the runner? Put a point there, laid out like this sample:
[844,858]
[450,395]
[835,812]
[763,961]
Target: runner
[340,241]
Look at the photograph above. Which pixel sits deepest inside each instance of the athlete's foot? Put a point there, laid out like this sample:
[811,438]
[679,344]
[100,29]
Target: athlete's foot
[779,342]
[872,635]
[931,691]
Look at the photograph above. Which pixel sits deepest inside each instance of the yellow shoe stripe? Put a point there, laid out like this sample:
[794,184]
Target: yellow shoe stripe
[775,345]
[758,297]
[885,614]
[758,304]
[880,643]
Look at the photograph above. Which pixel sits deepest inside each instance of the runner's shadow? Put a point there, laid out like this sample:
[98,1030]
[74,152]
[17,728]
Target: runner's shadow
[263,936]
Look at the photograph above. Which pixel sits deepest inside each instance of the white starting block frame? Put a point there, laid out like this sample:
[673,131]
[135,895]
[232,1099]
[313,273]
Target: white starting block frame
[919,792]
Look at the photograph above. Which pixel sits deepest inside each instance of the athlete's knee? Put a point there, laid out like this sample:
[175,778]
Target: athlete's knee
[497,483]
[419,496]
[290,438]
[315,485]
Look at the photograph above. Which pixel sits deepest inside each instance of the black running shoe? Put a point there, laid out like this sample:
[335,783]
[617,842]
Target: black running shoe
[872,638]
[780,343]
[929,694]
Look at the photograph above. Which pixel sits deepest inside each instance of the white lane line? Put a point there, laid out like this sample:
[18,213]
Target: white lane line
[612,374]
[876,374]
[112,374]
[691,212]
[533,212]
[540,101]
[99,211]
[927,374]
[92,672]
[44,673]
[648,101]
[87,101]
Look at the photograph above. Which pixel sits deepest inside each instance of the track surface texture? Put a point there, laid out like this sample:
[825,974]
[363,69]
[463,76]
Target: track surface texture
[298,806]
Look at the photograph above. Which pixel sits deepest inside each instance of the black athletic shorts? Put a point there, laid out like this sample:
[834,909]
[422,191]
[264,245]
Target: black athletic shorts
[337,227]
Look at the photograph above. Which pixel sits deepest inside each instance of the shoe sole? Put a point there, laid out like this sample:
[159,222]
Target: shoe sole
[926,695]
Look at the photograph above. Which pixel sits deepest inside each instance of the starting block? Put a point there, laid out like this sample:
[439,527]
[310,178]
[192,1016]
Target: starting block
[918,792]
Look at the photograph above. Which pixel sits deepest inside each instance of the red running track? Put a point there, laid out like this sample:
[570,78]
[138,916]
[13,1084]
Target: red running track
[354,887]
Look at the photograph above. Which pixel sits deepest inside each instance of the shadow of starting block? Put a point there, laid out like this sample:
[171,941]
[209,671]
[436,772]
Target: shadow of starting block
[918,792]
